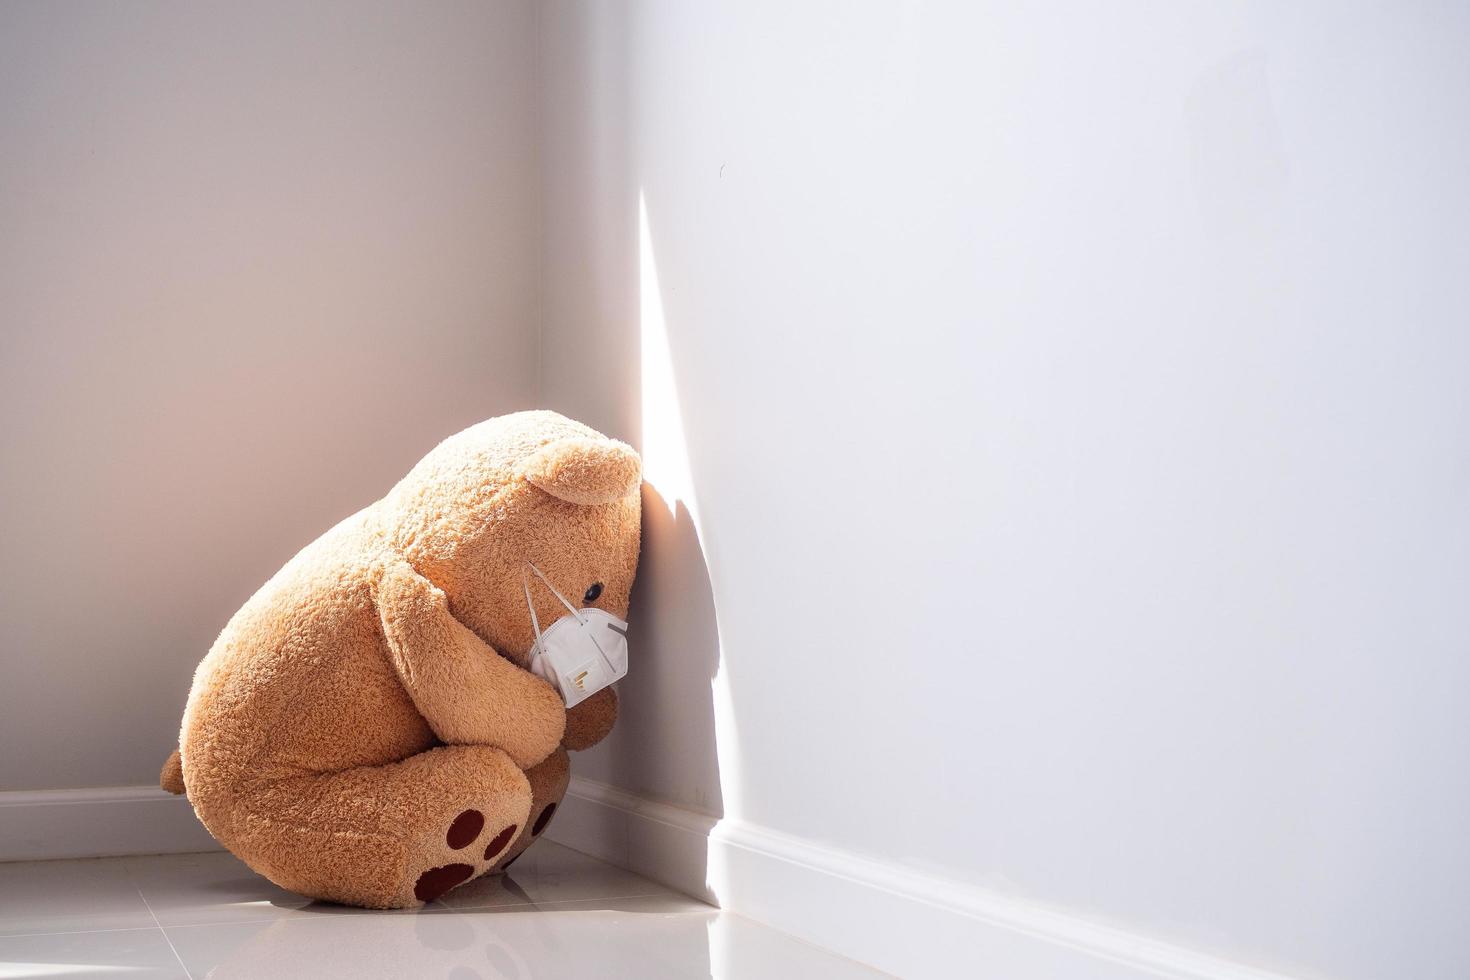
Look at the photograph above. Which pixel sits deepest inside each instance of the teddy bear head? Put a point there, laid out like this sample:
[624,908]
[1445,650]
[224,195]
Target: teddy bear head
[533,488]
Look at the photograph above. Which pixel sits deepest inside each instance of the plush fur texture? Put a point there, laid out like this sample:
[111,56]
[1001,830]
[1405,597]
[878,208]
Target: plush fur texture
[365,729]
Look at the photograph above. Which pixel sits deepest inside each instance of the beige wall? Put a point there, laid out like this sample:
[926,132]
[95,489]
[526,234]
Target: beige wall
[254,260]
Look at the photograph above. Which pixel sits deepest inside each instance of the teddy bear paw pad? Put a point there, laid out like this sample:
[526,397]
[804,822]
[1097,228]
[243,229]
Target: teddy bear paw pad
[543,820]
[465,829]
[437,881]
[501,841]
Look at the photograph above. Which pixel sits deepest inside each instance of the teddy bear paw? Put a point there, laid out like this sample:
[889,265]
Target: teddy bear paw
[463,834]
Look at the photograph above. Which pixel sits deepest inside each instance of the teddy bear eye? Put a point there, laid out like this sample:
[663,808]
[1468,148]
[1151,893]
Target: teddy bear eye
[592,593]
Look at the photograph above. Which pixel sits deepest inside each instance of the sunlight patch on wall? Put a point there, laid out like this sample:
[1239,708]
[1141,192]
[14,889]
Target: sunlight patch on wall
[666,467]
[665,455]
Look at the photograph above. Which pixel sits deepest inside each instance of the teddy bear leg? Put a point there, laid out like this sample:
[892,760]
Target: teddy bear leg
[391,836]
[548,782]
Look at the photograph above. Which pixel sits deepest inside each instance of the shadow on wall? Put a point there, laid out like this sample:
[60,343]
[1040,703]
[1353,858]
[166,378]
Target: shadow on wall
[607,359]
[670,744]
[667,721]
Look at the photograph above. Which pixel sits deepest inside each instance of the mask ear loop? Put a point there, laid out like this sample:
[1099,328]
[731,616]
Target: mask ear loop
[576,613]
[535,623]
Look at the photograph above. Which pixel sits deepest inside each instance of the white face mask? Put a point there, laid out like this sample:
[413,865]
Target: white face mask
[580,653]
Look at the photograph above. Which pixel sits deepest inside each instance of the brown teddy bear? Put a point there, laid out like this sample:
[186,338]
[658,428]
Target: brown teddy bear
[366,729]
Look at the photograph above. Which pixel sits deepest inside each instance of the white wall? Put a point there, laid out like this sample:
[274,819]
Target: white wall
[1074,403]
[255,259]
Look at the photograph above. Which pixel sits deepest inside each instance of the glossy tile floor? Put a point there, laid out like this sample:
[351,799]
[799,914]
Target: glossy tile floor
[559,913]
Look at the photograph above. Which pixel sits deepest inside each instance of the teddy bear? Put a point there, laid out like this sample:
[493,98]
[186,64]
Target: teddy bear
[367,729]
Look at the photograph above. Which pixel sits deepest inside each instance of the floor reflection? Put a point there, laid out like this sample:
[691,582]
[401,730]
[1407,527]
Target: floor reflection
[650,936]
[559,913]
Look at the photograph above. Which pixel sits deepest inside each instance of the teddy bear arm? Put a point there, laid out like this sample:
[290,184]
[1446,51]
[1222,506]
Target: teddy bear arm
[467,692]
[589,721]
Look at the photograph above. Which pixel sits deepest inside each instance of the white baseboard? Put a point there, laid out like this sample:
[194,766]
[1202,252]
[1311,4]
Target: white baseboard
[37,825]
[894,918]
[666,843]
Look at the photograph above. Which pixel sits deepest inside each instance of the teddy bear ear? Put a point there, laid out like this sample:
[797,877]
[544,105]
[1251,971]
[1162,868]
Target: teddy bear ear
[584,471]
